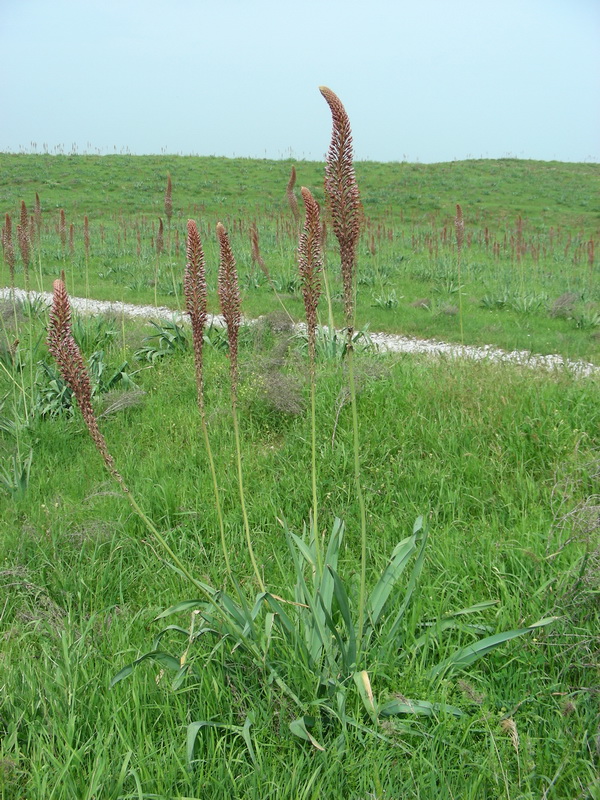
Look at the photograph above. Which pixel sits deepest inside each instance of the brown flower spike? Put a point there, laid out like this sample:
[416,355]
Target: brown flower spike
[310,262]
[169,199]
[229,299]
[65,351]
[160,238]
[459,227]
[343,198]
[194,289]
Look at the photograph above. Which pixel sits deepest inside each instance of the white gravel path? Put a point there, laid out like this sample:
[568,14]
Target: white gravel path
[384,341]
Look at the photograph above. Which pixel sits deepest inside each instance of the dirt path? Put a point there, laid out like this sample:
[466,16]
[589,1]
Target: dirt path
[385,341]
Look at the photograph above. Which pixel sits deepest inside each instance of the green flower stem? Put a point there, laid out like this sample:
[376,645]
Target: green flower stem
[360,497]
[213,473]
[313,425]
[238,451]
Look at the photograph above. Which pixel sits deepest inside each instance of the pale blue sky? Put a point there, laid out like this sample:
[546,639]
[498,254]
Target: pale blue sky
[428,80]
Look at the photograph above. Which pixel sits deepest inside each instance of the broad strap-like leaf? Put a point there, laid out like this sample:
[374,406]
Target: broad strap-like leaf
[325,588]
[435,629]
[392,572]
[314,625]
[449,622]
[345,663]
[304,549]
[344,606]
[467,655]
[421,707]
[414,575]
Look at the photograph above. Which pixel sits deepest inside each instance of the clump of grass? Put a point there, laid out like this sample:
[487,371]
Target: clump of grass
[564,305]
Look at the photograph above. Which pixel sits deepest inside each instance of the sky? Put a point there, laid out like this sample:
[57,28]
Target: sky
[421,80]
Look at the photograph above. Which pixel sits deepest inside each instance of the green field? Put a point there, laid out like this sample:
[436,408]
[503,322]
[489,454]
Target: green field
[528,278]
[501,461]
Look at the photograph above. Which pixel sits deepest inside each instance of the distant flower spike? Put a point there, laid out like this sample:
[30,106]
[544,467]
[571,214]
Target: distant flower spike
[160,239]
[169,199]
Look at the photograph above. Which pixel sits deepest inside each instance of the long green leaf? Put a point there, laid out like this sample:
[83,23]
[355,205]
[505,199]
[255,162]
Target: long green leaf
[414,576]
[304,549]
[335,542]
[390,575]
[344,604]
[467,655]
[422,707]
[340,643]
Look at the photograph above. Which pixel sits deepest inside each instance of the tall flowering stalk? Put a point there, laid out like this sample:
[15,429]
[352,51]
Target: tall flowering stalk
[310,264]
[169,209]
[195,293]
[66,353]
[62,230]
[158,248]
[230,302]
[459,228]
[291,196]
[37,215]
[8,248]
[86,247]
[343,199]
[24,242]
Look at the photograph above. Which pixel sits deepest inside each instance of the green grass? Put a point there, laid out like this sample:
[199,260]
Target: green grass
[511,278]
[495,455]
